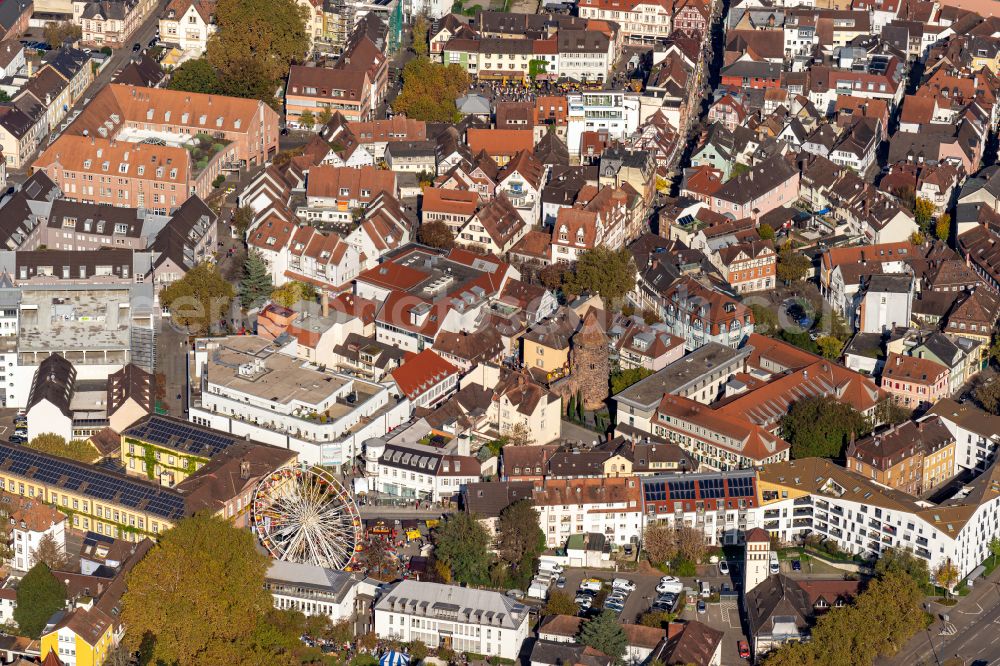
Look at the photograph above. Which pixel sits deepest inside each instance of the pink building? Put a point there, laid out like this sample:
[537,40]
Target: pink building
[914,381]
[771,184]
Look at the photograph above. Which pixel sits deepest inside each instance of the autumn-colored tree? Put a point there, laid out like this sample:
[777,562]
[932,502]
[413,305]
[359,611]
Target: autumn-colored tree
[269,32]
[430,90]
[293,292]
[946,575]
[436,234]
[198,596]
[560,603]
[766,231]
[421,28]
[57,34]
[923,211]
[51,553]
[660,543]
[76,449]
[942,228]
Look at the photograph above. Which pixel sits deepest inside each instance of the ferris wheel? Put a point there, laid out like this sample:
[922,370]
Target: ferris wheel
[303,514]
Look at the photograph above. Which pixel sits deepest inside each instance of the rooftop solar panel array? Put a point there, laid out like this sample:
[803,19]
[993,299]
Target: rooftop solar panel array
[182,436]
[91,482]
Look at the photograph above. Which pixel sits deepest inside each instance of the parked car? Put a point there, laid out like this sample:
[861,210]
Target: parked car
[136,47]
[796,565]
[584,602]
[614,606]
[17,439]
[561,582]
[702,608]
[670,584]
[591,584]
[773,567]
[744,649]
[623,584]
[723,567]
[515,594]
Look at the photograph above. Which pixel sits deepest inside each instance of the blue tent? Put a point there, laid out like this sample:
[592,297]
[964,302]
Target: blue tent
[393,658]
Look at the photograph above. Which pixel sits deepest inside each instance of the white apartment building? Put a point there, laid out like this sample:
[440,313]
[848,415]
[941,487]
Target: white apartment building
[246,386]
[188,24]
[613,111]
[312,590]
[462,619]
[976,433]
[815,496]
[416,471]
[608,506]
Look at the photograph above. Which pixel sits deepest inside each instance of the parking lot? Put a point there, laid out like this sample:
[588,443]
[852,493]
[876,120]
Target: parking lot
[723,615]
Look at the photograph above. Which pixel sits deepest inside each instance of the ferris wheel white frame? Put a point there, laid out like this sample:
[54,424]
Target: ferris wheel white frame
[304,514]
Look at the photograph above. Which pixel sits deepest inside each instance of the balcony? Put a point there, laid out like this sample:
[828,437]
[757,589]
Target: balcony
[772,513]
[820,504]
[924,553]
[803,522]
[771,525]
[803,512]
[803,501]
[921,541]
[874,524]
[889,529]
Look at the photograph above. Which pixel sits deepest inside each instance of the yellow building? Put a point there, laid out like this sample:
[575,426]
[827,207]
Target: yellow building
[545,347]
[81,637]
[169,450]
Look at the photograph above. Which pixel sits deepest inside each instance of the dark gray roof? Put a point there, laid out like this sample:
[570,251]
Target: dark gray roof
[776,596]
[53,382]
[488,498]
[102,218]
[140,71]
[186,228]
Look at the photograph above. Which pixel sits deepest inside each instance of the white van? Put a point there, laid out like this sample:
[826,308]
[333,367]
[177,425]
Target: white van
[773,567]
[549,566]
[706,589]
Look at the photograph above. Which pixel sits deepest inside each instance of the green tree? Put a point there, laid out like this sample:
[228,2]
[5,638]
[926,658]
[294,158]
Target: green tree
[764,319]
[520,540]
[196,75]
[579,405]
[436,234]
[430,90]
[821,427]
[421,27]
[942,228]
[255,287]
[462,546]
[39,595]
[610,273]
[307,120]
[76,449]
[994,548]
[199,299]
[418,651]
[571,407]
[198,596]
[766,232]
[248,79]
[604,633]
[552,276]
[292,293]
[923,211]
[376,559]
[902,560]
[560,603]
[271,32]
[622,379]
[792,265]
[829,347]
[242,218]
[324,116]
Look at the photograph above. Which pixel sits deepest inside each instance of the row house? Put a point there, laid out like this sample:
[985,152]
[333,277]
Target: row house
[717,440]
[451,207]
[766,186]
[312,91]
[701,314]
[722,504]
[640,21]
[111,23]
[635,344]
[608,506]
[521,181]
[887,83]
[747,267]
[914,382]
[914,457]
[187,24]
[584,55]
[495,228]
[338,194]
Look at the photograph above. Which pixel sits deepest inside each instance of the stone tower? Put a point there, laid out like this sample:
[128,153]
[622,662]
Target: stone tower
[590,367]
[757,562]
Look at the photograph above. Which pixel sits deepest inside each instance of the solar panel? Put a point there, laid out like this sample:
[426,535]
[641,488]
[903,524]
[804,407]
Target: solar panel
[681,490]
[710,488]
[740,486]
[655,491]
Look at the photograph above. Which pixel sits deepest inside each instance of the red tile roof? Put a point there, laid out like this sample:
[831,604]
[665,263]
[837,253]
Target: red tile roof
[422,372]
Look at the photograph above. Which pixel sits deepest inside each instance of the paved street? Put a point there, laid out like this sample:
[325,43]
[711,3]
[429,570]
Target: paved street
[973,634]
